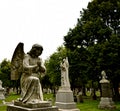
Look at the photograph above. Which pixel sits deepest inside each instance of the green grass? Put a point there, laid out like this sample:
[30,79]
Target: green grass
[2,108]
[87,105]
[9,98]
[92,105]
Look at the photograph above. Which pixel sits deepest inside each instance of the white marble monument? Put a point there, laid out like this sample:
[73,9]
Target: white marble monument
[64,96]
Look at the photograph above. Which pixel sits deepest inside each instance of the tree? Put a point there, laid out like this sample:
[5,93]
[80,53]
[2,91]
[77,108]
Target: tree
[5,76]
[53,67]
[97,32]
[5,73]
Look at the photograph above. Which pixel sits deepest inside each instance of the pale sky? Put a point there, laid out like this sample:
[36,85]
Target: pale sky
[36,21]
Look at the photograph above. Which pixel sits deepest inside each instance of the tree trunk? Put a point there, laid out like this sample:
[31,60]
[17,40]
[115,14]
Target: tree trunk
[116,95]
[83,90]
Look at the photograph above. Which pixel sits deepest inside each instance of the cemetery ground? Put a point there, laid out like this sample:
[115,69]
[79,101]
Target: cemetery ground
[88,103]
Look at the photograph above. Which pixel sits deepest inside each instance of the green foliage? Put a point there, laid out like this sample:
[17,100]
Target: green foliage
[95,42]
[45,81]
[53,66]
[5,73]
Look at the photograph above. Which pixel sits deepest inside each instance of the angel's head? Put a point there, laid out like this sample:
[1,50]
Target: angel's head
[36,50]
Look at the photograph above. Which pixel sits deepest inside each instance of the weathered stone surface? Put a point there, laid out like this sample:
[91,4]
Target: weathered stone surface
[33,105]
[106,99]
[62,105]
[64,96]
[41,106]
[69,109]
[64,65]
[28,67]
[65,100]
[106,91]
[106,103]
[19,108]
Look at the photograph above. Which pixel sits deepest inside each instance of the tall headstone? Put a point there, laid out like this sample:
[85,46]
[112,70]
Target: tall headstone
[1,91]
[106,96]
[64,96]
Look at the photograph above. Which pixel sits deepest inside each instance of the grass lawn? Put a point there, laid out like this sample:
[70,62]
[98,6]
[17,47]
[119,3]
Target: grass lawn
[92,105]
[8,99]
[87,105]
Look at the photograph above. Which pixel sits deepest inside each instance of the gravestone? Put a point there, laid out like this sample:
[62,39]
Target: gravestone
[106,96]
[64,96]
[1,91]
[79,97]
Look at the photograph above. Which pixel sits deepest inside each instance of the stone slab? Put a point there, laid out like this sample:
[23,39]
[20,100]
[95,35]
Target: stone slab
[69,109]
[33,105]
[19,108]
[64,96]
[65,100]
[62,105]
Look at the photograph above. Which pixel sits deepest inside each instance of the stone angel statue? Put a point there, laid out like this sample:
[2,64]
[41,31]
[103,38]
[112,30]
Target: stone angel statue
[28,68]
[64,65]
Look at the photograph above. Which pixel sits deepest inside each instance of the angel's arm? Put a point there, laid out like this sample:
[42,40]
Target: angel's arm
[41,65]
[26,63]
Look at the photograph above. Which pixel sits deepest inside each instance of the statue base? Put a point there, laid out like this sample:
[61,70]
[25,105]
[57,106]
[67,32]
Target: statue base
[106,103]
[42,106]
[65,100]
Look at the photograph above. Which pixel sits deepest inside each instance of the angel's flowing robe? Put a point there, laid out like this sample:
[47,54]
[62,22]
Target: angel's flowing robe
[31,90]
[64,73]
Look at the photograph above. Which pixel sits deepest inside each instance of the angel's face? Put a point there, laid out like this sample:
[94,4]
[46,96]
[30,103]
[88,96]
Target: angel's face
[36,52]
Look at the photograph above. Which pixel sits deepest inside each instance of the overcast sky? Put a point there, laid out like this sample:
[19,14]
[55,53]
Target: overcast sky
[36,21]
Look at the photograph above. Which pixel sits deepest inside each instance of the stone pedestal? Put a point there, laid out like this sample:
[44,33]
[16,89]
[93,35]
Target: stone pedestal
[2,94]
[106,103]
[65,100]
[106,96]
[43,106]
[79,99]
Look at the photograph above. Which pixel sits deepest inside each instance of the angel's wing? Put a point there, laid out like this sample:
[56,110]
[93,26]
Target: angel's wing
[17,62]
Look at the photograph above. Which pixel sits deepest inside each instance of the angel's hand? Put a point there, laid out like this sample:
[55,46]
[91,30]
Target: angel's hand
[35,69]
[39,63]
